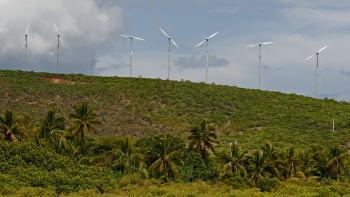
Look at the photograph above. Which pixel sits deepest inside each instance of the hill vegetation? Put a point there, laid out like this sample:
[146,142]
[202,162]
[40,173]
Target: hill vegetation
[81,135]
[139,107]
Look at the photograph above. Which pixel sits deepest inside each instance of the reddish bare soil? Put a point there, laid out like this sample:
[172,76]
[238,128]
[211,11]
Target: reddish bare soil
[58,80]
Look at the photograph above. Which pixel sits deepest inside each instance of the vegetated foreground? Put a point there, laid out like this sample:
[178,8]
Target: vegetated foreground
[82,136]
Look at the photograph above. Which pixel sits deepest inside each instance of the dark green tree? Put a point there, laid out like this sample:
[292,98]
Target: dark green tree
[234,162]
[264,164]
[291,163]
[335,163]
[84,121]
[166,164]
[307,163]
[9,127]
[202,139]
[50,124]
[128,160]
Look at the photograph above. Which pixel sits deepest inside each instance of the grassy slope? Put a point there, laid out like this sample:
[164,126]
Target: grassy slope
[142,106]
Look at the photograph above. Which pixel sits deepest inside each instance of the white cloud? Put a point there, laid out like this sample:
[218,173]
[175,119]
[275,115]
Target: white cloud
[83,23]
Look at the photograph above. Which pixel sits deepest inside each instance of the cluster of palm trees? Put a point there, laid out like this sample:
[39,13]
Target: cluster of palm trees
[69,139]
[265,162]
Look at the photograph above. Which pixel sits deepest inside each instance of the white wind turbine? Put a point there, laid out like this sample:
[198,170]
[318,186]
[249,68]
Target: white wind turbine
[260,56]
[26,44]
[206,40]
[316,70]
[59,44]
[131,48]
[170,41]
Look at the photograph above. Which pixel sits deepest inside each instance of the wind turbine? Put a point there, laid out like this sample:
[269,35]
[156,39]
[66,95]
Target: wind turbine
[206,40]
[59,44]
[260,56]
[170,40]
[26,44]
[316,71]
[131,48]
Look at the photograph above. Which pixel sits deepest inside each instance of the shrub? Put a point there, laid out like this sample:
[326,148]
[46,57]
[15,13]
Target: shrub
[267,184]
[195,168]
[131,179]
[238,182]
[29,165]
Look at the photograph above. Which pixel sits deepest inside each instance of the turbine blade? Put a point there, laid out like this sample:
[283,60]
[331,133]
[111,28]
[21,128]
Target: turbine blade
[61,40]
[252,45]
[214,34]
[125,36]
[199,44]
[58,32]
[27,30]
[174,43]
[137,38]
[308,58]
[164,33]
[265,43]
[322,49]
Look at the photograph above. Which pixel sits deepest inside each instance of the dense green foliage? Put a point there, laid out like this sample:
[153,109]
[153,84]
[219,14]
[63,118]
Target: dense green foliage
[175,135]
[30,165]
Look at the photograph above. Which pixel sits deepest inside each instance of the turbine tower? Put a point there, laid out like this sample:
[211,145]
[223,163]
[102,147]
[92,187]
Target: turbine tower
[170,41]
[26,45]
[131,48]
[59,44]
[206,40]
[316,70]
[260,56]
[93,64]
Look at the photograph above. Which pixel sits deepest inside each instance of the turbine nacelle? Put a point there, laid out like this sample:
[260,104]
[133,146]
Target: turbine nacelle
[59,35]
[316,53]
[259,44]
[169,37]
[132,37]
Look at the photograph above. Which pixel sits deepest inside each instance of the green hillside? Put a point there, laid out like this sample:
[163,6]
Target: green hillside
[75,135]
[144,106]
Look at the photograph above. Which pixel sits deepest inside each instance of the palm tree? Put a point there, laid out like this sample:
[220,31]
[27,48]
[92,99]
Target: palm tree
[265,163]
[127,159]
[203,139]
[307,163]
[319,158]
[291,162]
[272,164]
[84,120]
[60,141]
[165,166]
[258,167]
[235,160]
[335,163]
[9,127]
[268,150]
[50,124]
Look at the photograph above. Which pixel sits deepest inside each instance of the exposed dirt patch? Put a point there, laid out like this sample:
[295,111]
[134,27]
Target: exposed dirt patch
[58,80]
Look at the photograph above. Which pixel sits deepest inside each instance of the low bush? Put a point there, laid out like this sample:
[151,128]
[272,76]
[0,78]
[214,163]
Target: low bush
[29,165]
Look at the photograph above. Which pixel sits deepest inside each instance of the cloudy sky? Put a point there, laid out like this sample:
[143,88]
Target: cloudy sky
[298,27]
